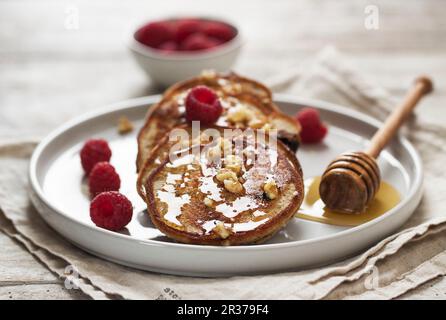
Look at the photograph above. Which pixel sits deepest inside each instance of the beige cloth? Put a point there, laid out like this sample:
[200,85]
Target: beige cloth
[394,266]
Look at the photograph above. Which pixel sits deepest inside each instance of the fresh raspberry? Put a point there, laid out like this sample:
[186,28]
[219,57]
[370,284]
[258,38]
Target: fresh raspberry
[218,30]
[198,41]
[168,46]
[186,27]
[202,104]
[94,151]
[155,33]
[111,210]
[313,130]
[215,41]
[103,177]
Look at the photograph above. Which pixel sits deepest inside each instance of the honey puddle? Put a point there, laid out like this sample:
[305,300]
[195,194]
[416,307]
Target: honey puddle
[313,208]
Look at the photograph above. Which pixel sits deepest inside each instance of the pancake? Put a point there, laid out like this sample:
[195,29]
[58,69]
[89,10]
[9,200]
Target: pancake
[212,189]
[246,103]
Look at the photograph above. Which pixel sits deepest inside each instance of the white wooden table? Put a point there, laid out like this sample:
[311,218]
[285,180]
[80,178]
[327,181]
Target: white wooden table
[51,71]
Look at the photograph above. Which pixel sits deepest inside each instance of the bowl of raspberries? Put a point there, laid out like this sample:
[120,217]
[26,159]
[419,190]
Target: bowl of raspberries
[174,49]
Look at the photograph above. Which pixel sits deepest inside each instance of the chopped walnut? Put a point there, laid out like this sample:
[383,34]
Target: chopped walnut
[209,74]
[222,230]
[214,153]
[271,190]
[267,127]
[223,145]
[233,88]
[233,163]
[256,123]
[226,174]
[230,180]
[208,202]
[233,186]
[124,125]
[241,113]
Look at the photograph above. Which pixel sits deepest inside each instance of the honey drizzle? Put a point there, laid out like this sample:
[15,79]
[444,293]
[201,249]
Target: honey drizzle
[181,169]
[313,208]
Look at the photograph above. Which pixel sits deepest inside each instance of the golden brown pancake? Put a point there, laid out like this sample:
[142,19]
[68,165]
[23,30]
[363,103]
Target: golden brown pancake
[221,191]
[246,103]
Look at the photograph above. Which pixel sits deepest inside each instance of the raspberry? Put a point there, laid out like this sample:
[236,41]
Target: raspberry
[111,210]
[103,177]
[185,28]
[213,42]
[202,104]
[198,41]
[313,130]
[218,30]
[168,46]
[94,151]
[155,33]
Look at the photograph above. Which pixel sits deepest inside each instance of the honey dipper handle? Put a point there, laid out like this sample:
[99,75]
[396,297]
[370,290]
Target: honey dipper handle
[423,85]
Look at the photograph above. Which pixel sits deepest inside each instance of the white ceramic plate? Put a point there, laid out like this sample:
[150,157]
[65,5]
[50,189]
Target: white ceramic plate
[58,191]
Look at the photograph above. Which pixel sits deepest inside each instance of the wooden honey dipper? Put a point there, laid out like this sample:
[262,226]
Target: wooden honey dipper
[351,180]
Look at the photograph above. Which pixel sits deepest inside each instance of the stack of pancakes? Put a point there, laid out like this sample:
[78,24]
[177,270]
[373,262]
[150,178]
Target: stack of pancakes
[210,188]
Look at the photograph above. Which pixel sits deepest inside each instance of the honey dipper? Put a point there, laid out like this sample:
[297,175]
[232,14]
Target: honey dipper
[351,180]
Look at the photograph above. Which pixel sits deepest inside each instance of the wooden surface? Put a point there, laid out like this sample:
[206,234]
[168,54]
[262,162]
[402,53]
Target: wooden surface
[49,73]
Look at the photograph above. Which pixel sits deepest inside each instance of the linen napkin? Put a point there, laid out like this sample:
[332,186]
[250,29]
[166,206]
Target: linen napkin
[394,266]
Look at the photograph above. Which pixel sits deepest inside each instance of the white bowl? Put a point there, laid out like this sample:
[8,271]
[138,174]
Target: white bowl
[166,69]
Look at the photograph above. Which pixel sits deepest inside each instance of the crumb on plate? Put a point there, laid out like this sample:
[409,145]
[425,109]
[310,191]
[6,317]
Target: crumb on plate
[124,125]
